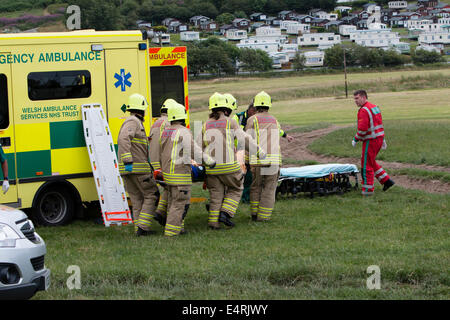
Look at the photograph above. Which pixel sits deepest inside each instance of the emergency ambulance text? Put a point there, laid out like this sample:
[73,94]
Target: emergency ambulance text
[50,57]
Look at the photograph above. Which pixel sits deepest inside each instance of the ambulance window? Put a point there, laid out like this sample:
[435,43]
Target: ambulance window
[4,110]
[167,82]
[55,85]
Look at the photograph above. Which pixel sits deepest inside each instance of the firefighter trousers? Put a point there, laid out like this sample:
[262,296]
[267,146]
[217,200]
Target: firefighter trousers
[178,197]
[263,191]
[225,192]
[162,205]
[369,167]
[143,194]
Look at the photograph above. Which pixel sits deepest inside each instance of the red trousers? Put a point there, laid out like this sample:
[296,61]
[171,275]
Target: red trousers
[369,167]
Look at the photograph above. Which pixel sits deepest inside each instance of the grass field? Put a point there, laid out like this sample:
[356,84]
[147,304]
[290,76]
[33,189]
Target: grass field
[312,248]
[408,141]
[332,85]
[407,105]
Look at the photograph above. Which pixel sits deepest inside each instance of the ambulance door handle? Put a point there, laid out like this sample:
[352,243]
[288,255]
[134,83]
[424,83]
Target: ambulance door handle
[5,141]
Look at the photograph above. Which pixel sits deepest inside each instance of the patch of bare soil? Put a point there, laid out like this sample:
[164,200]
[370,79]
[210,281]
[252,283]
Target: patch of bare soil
[298,149]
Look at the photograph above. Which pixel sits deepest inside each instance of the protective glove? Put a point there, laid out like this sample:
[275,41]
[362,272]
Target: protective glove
[384,145]
[5,186]
[129,167]
[353,143]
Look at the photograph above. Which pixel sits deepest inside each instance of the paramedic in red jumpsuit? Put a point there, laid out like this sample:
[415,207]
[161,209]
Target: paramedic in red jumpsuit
[371,132]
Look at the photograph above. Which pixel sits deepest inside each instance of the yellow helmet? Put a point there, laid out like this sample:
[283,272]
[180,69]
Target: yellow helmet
[217,100]
[232,103]
[262,99]
[137,102]
[168,103]
[176,111]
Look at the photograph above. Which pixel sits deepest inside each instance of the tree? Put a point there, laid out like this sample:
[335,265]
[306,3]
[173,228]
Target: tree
[217,61]
[204,8]
[240,14]
[423,57]
[258,5]
[274,6]
[334,57]
[129,11]
[225,18]
[197,60]
[367,57]
[159,28]
[392,58]
[99,15]
[299,61]
[255,60]
[237,5]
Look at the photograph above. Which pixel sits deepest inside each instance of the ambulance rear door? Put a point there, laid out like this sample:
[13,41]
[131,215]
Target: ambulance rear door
[168,77]
[125,71]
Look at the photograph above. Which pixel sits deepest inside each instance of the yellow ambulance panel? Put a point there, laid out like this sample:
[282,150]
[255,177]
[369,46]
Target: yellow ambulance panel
[169,77]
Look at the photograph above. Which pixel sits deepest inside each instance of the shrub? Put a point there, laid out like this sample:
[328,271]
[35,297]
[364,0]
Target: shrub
[421,56]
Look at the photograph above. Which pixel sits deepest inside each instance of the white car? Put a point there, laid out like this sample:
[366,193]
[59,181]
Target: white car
[22,252]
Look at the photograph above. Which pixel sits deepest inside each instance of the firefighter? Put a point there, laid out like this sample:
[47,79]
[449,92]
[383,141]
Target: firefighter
[155,134]
[265,129]
[134,165]
[225,181]
[371,132]
[244,115]
[177,150]
[232,106]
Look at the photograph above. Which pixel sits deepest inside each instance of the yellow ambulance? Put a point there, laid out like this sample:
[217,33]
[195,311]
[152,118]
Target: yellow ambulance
[44,80]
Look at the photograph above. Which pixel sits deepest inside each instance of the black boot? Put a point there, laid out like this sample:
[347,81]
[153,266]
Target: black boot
[142,232]
[254,217]
[226,219]
[388,184]
[160,218]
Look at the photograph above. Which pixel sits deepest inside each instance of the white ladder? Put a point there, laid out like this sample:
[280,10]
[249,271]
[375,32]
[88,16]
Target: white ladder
[105,167]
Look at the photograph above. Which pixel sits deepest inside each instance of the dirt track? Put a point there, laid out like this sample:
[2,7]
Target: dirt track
[298,149]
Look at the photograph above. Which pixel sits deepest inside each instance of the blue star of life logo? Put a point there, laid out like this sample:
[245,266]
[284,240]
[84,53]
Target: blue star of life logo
[122,80]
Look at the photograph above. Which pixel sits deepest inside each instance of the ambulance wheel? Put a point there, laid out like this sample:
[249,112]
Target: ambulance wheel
[54,206]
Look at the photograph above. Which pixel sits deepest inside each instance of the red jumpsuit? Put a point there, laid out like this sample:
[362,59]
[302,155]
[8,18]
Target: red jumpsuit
[371,132]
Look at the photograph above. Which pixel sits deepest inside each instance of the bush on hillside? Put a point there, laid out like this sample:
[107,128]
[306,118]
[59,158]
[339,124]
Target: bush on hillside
[421,56]
[357,55]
